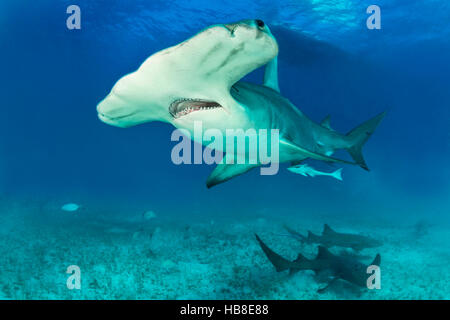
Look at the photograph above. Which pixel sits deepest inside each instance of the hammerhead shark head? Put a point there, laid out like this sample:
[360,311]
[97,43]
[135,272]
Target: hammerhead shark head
[341,267]
[198,81]
[331,238]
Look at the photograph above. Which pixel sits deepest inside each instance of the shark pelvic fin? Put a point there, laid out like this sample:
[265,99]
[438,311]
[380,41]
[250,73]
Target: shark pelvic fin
[296,163]
[304,153]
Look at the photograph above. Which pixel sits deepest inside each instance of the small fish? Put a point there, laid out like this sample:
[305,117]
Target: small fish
[306,170]
[148,215]
[70,207]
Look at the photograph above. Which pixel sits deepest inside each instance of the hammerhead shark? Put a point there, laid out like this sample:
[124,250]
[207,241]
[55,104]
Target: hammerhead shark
[331,238]
[198,80]
[340,267]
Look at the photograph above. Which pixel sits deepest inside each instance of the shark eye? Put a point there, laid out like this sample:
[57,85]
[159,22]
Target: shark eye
[259,23]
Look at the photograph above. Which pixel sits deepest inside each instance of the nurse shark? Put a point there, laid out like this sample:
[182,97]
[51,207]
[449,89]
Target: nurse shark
[198,80]
[330,238]
[338,267]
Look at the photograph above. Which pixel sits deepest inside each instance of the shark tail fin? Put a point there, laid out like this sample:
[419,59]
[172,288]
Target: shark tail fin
[295,234]
[278,261]
[337,174]
[358,137]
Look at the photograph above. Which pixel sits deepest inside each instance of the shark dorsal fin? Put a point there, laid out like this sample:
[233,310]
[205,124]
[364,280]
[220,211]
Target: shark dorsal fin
[299,264]
[326,123]
[323,253]
[300,258]
[327,229]
[376,261]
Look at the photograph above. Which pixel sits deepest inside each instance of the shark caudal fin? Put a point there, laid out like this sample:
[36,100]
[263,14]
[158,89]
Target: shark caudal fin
[278,261]
[295,234]
[359,136]
[337,174]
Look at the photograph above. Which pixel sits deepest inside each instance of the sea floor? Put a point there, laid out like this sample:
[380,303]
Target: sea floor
[128,257]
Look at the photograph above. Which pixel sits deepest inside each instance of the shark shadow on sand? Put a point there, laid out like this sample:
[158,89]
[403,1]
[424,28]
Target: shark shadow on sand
[338,267]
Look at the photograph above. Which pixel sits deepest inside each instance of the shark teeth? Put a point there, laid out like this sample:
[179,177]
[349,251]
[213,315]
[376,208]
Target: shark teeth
[182,107]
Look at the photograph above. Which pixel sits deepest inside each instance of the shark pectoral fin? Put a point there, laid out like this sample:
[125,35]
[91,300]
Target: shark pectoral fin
[302,153]
[224,172]
[271,75]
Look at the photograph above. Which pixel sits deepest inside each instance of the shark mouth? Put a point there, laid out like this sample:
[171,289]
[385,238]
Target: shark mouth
[182,107]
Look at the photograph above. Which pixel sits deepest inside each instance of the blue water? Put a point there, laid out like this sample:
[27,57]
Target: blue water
[54,150]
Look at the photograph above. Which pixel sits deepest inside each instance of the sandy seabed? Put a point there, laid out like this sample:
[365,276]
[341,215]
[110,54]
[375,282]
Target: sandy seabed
[201,258]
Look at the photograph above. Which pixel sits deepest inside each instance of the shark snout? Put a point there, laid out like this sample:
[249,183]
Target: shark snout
[113,111]
[127,110]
